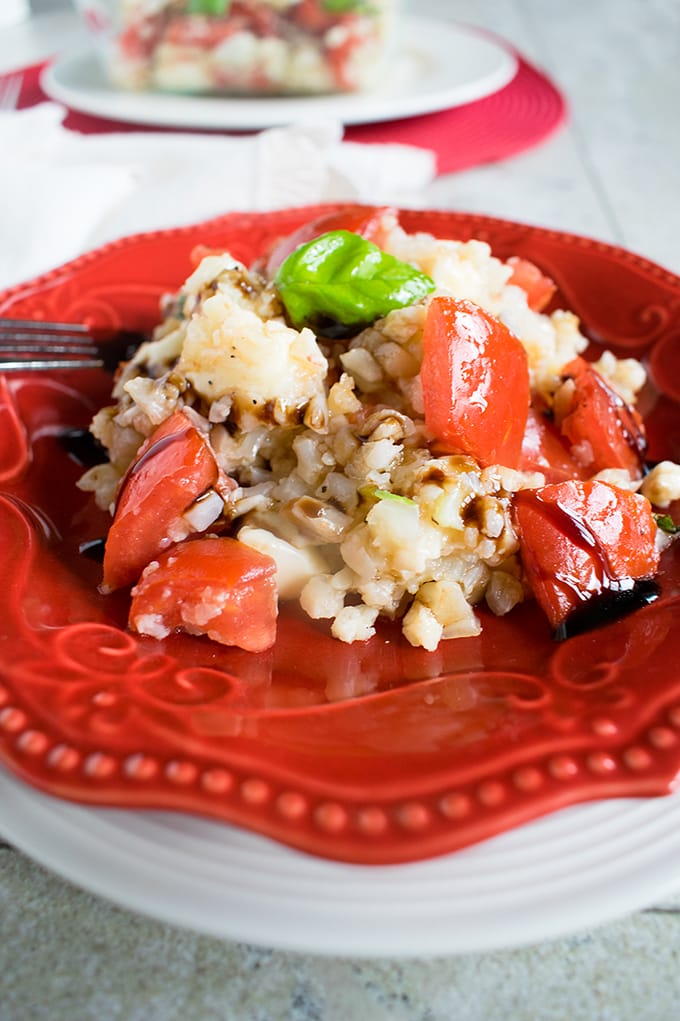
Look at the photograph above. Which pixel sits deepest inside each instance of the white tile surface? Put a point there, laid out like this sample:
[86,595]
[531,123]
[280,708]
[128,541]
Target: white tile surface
[68,956]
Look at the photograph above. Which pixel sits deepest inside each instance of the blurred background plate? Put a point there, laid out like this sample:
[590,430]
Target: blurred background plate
[437,65]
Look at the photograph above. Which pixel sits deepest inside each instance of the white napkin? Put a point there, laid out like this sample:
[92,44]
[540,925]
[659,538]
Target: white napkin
[62,193]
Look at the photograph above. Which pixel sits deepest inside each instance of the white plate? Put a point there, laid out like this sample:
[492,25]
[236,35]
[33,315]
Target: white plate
[438,65]
[576,868]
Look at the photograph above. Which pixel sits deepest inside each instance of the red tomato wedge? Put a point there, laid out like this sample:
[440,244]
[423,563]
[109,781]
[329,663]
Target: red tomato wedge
[313,17]
[367,221]
[200,252]
[604,431]
[138,41]
[475,381]
[538,287]
[218,587]
[205,33]
[173,467]
[545,450]
[584,546]
[260,19]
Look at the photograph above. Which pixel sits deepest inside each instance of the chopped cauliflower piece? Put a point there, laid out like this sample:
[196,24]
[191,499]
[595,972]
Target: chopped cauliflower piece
[265,367]
[662,485]
[294,566]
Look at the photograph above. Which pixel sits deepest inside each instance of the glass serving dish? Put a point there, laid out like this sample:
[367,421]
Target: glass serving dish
[241,47]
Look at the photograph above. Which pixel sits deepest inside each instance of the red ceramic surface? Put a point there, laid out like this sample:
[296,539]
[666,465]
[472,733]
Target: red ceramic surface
[371,753]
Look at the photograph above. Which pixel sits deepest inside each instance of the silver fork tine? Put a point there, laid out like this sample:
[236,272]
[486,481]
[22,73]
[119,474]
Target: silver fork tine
[40,324]
[61,346]
[61,342]
[33,364]
[7,351]
[25,336]
[29,335]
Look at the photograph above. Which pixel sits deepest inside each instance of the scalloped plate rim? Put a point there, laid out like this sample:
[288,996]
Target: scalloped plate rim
[53,276]
[429,42]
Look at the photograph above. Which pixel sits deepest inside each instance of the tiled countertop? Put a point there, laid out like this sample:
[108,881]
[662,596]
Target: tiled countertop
[65,955]
[68,956]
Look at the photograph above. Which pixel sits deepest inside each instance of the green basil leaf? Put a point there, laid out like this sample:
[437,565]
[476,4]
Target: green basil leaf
[666,524]
[344,6]
[372,492]
[208,6]
[340,278]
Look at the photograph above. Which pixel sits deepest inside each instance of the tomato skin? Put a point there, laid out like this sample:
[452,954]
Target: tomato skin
[138,41]
[583,541]
[217,586]
[545,450]
[173,467]
[203,31]
[367,221]
[538,287]
[605,431]
[311,16]
[475,381]
[262,21]
[200,252]
[340,61]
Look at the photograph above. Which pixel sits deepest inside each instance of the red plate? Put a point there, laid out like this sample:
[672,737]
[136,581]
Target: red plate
[370,753]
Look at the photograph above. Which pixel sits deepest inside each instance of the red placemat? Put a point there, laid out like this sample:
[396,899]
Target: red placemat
[518,116]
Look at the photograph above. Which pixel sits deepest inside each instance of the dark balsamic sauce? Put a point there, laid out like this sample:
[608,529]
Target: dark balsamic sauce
[93,550]
[333,329]
[83,448]
[608,606]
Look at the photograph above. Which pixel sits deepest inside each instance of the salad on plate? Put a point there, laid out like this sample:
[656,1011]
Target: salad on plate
[375,424]
[243,47]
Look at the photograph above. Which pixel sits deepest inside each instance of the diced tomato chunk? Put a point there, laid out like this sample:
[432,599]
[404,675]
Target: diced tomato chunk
[203,32]
[545,450]
[584,545]
[200,252]
[538,287]
[173,467]
[313,17]
[604,431]
[261,19]
[214,586]
[475,382]
[341,62]
[139,40]
[367,221]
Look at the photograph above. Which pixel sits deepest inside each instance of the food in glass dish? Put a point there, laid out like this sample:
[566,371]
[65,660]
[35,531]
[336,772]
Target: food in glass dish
[375,424]
[243,46]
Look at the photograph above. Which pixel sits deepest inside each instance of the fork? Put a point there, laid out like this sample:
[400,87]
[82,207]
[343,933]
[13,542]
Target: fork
[27,345]
[10,91]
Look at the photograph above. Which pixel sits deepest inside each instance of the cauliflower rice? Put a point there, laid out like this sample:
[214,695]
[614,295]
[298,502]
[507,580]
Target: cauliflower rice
[335,476]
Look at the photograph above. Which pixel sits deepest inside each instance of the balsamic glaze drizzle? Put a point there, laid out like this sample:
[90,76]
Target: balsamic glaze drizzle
[607,606]
[82,447]
[93,550]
